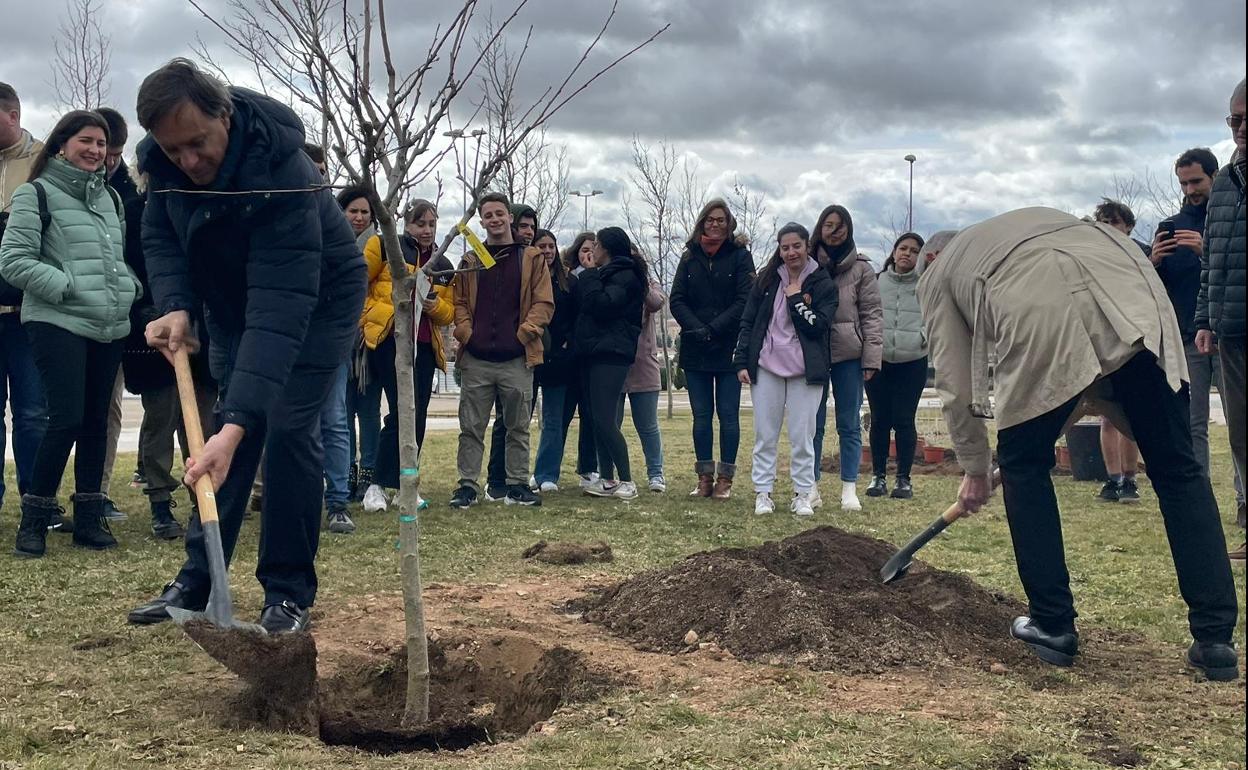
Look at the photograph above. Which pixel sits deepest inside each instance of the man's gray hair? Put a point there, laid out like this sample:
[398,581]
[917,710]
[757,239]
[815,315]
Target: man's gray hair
[177,82]
[939,240]
[1240,91]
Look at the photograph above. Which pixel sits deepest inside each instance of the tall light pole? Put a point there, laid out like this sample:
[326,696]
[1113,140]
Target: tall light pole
[463,136]
[586,196]
[910,209]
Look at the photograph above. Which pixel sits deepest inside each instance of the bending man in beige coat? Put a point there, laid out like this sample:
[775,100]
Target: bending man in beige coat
[1074,314]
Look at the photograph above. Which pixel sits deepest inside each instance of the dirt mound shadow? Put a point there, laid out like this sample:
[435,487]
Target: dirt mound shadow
[814,599]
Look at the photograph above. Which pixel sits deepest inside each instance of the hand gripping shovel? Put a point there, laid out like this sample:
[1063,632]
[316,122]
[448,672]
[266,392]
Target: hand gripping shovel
[282,665]
[896,567]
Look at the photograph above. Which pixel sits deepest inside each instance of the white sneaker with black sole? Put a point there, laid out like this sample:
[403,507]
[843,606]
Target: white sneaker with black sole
[520,494]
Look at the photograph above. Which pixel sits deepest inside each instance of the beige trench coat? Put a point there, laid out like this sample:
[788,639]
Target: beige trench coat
[1059,303]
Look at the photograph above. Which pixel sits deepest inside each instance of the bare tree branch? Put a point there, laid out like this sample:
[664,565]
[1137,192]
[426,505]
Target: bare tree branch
[81,57]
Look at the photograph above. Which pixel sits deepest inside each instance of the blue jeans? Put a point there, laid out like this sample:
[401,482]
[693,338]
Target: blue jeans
[22,390]
[846,379]
[365,407]
[554,435]
[717,393]
[335,439]
[646,421]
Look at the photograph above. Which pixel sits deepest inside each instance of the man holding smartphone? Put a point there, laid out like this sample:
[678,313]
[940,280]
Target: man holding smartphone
[1177,249]
[1220,301]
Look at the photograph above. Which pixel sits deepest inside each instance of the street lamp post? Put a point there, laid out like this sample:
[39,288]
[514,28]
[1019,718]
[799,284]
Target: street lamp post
[910,209]
[586,196]
[463,135]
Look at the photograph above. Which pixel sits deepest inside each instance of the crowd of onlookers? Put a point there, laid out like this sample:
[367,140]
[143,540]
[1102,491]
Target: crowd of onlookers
[813,318]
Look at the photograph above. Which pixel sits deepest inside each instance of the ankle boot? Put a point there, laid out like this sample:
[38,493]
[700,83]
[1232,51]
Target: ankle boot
[363,480]
[32,533]
[723,482]
[353,480]
[904,490]
[164,526]
[90,527]
[878,487]
[706,479]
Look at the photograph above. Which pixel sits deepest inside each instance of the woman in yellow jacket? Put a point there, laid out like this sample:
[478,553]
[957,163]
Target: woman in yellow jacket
[377,325]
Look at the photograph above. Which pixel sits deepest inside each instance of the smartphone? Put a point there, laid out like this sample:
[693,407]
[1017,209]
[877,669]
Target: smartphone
[1167,227]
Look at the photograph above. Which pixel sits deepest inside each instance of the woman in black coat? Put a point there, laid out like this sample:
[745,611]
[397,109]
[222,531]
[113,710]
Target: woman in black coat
[708,297]
[609,304]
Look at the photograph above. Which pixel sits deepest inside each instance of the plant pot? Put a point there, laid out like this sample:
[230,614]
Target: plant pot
[933,455]
[1063,458]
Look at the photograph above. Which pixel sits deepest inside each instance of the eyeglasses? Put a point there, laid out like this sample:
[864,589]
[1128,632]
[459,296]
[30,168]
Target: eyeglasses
[1234,121]
[716,220]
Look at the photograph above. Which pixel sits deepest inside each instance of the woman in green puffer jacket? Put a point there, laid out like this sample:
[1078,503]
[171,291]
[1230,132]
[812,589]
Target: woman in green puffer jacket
[77,292]
[895,391]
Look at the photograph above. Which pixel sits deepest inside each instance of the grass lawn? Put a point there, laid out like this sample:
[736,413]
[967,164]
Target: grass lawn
[81,689]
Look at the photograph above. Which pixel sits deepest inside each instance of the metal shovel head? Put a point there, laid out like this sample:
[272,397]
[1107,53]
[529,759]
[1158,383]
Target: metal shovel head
[895,568]
[283,665]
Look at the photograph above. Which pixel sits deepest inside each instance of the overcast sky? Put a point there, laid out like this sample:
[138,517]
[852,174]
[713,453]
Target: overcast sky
[1005,104]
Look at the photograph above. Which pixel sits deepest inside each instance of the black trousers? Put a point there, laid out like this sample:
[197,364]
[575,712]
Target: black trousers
[894,394]
[601,386]
[574,402]
[290,440]
[386,474]
[496,468]
[1159,420]
[78,376]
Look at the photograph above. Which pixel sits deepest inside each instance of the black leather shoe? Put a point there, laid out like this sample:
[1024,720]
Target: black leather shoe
[904,490]
[1058,649]
[878,487]
[174,595]
[285,618]
[1215,660]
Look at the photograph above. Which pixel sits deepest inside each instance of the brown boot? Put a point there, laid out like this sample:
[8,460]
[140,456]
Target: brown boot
[1239,553]
[723,482]
[706,479]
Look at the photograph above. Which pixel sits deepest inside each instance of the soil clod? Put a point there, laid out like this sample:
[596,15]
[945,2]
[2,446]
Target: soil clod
[814,599]
[569,552]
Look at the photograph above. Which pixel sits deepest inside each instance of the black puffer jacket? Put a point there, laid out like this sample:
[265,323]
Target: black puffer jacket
[608,320]
[707,300]
[279,273]
[812,312]
[1220,304]
[144,368]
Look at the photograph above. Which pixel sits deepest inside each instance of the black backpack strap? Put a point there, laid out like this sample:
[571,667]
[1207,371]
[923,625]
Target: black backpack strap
[116,196]
[45,216]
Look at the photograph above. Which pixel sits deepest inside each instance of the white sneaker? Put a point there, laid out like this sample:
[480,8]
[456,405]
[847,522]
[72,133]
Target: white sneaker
[849,497]
[658,484]
[375,500]
[800,506]
[816,500]
[599,488]
[625,490]
[763,504]
[588,478]
[549,486]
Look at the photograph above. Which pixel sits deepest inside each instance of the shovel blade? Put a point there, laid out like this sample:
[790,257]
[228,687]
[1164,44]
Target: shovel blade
[895,568]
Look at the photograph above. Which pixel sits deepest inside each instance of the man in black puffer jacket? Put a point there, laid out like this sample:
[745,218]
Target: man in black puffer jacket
[282,285]
[1220,304]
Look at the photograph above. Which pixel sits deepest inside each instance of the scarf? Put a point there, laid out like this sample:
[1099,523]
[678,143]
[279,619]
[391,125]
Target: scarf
[710,245]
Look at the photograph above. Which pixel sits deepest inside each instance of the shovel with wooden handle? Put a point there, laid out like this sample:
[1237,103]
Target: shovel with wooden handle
[896,567]
[281,667]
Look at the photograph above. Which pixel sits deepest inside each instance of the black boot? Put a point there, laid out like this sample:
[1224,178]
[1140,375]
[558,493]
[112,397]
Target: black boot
[1058,647]
[353,480]
[362,483]
[903,490]
[90,526]
[878,487]
[32,533]
[164,526]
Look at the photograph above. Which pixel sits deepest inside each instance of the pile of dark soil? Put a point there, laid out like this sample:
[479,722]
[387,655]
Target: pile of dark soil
[814,599]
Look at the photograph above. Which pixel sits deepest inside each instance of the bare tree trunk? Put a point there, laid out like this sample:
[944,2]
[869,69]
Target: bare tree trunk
[406,320]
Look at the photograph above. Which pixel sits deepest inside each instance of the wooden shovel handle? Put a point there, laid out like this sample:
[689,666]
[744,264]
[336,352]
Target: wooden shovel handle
[204,492]
[955,511]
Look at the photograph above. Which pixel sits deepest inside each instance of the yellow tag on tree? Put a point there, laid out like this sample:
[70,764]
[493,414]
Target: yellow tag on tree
[475,243]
